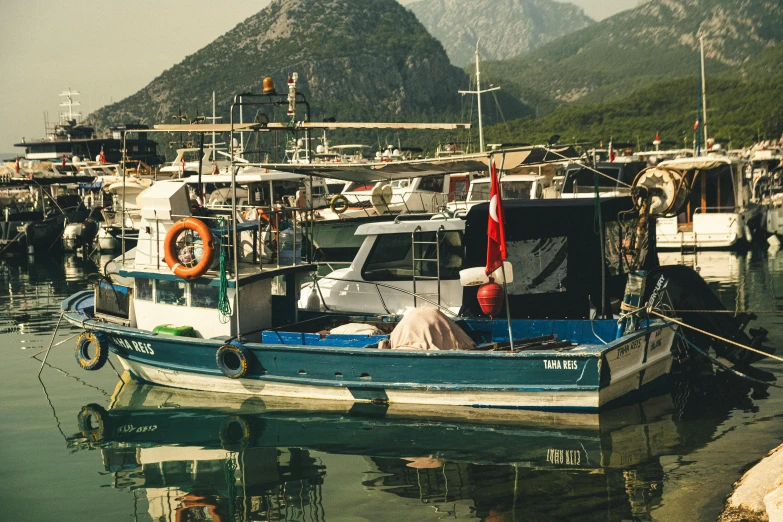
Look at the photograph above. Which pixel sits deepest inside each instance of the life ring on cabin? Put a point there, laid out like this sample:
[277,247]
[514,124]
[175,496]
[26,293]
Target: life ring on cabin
[232,359]
[179,254]
[100,354]
[92,422]
[235,434]
[338,204]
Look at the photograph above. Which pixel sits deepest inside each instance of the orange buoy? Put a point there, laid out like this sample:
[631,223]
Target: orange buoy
[185,264]
[490,297]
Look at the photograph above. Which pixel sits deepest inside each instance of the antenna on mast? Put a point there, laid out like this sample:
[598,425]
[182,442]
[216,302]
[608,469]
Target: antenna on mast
[478,92]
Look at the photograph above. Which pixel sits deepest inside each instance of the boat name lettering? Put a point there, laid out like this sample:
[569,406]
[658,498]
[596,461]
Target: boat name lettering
[654,345]
[557,364]
[629,348]
[134,345]
[130,428]
[568,457]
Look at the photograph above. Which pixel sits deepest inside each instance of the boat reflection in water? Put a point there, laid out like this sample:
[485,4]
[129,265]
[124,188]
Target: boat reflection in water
[196,456]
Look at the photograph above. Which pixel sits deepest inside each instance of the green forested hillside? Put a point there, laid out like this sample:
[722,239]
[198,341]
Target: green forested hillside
[631,50]
[740,112]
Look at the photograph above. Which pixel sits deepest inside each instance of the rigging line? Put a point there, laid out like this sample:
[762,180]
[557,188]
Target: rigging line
[718,337]
[725,367]
[591,169]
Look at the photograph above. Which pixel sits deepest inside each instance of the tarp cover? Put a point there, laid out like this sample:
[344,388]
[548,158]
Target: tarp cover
[555,249]
[429,329]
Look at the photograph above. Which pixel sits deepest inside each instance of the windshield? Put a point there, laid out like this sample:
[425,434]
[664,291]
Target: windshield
[508,190]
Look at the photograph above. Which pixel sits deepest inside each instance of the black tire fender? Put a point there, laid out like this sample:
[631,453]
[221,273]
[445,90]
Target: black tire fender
[233,360]
[101,351]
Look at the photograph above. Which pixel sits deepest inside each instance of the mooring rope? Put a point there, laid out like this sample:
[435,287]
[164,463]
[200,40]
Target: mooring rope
[714,336]
[725,367]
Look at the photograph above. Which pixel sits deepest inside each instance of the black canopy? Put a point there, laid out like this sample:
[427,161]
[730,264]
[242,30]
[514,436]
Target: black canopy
[554,247]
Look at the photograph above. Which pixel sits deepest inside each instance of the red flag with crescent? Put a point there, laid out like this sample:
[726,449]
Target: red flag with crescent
[612,155]
[103,156]
[496,230]
[63,162]
[16,165]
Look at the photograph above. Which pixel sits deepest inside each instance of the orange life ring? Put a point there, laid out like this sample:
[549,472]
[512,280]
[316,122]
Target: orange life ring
[193,500]
[188,270]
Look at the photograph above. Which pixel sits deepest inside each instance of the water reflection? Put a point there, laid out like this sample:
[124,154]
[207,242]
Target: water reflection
[196,456]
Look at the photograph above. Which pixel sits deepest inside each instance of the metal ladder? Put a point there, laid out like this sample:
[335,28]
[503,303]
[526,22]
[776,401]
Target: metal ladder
[415,259]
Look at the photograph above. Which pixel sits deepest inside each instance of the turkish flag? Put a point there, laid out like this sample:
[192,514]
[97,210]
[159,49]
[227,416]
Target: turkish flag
[612,155]
[63,162]
[16,165]
[496,230]
[102,156]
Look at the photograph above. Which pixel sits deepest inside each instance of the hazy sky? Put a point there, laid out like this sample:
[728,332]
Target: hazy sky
[108,50]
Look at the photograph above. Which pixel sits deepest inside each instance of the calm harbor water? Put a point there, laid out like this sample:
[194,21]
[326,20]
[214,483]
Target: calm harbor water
[77,445]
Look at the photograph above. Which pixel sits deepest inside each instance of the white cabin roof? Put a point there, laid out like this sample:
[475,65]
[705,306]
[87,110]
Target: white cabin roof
[407,227]
[243,179]
[700,162]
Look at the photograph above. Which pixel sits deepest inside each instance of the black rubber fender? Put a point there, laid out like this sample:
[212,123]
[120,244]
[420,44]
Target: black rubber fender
[233,360]
[92,422]
[101,350]
[235,433]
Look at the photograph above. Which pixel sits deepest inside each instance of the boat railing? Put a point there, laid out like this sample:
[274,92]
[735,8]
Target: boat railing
[129,218]
[272,228]
[378,287]
[715,210]
[414,202]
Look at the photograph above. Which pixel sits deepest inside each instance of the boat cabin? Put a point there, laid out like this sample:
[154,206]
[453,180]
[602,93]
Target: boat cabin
[719,211]
[554,252]
[616,179]
[512,187]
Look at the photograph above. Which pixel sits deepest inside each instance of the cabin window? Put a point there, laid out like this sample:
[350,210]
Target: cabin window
[204,296]
[479,192]
[540,265]
[144,289]
[583,180]
[279,285]
[171,292]
[515,189]
[335,188]
[391,257]
[432,184]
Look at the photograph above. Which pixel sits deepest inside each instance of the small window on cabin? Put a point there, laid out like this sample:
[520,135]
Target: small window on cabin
[279,285]
[391,259]
[204,296]
[171,292]
[144,289]
[479,192]
[515,189]
[432,184]
[540,265]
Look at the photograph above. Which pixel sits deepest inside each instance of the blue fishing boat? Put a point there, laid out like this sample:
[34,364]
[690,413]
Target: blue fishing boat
[259,347]
[195,306]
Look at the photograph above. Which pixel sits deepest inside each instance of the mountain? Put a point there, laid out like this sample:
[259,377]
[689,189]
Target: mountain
[743,108]
[636,48]
[507,28]
[356,59]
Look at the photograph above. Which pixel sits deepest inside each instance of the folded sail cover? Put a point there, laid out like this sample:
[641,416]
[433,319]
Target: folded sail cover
[389,171]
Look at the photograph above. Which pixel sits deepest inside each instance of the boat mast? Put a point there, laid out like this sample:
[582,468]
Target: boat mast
[703,91]
[478,92]
[70,103]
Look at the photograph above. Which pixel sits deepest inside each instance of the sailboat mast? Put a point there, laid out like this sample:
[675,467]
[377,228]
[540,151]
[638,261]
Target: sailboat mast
[478,92]
[478,89]
[703,91]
